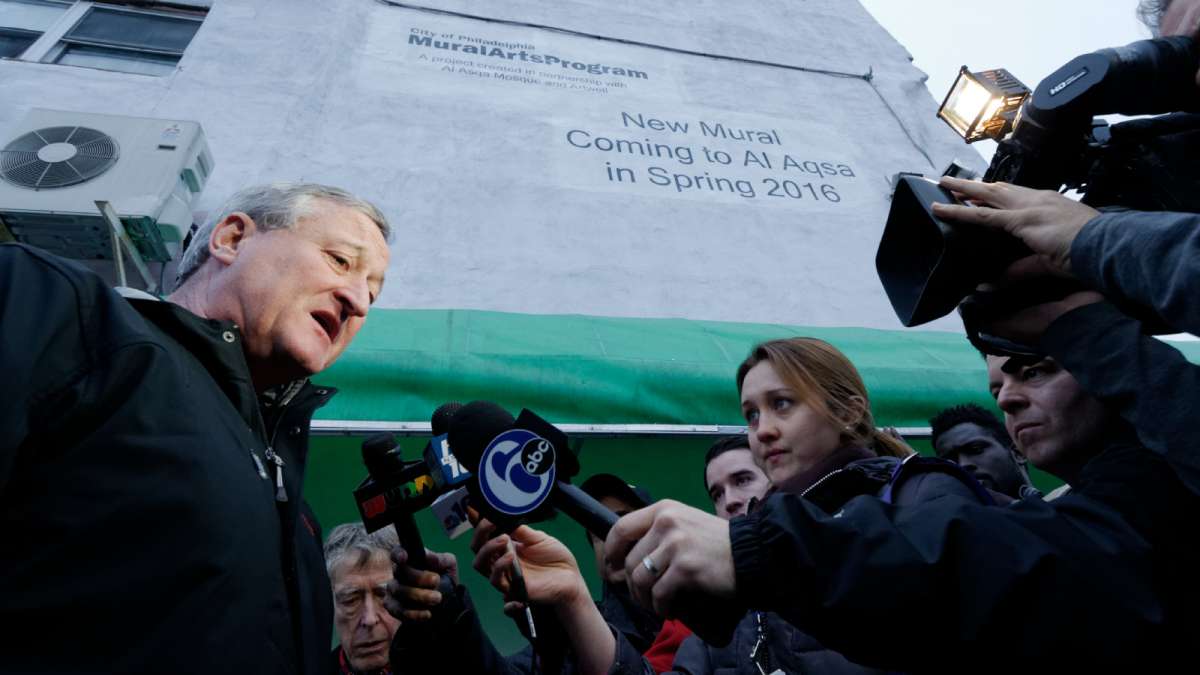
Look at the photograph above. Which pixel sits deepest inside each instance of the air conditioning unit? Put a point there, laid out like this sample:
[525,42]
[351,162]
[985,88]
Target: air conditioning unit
[55,165]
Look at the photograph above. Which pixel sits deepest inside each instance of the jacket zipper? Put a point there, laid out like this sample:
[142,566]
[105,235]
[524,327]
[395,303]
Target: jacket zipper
[272,456]
[822,479]
[262,472]
[761,661]
[281,495]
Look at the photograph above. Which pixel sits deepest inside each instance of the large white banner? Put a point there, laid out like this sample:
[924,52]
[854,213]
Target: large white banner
[559,173]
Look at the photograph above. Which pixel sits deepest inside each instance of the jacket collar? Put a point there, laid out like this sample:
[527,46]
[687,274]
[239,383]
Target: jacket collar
[218,347]
[216,344]
[845,474]
[834,461]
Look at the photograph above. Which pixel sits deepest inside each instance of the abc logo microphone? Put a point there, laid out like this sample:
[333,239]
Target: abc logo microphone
[522,468]
[516,472]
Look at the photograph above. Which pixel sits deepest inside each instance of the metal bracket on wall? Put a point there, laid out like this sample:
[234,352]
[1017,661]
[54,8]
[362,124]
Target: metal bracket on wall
[120,238]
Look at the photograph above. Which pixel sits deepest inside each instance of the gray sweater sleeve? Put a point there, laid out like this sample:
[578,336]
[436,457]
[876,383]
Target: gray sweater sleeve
[1151,259]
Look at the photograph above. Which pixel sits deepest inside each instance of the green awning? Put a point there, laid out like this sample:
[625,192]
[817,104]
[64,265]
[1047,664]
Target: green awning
[605,370]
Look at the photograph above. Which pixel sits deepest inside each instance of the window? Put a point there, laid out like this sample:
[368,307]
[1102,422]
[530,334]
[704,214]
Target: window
[22,22]
[101,35]
[118,39]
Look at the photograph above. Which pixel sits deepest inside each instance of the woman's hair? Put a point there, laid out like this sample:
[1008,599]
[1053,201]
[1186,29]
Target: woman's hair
[825,380]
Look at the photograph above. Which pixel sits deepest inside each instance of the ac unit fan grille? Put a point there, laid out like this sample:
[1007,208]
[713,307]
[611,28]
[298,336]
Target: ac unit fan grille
[23,161]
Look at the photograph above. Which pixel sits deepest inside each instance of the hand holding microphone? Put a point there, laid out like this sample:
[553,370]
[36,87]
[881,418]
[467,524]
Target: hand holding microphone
[679,562]
[549,570]
[392,493]
[413,593]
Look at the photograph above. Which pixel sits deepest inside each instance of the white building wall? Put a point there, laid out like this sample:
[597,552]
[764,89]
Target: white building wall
[494,206]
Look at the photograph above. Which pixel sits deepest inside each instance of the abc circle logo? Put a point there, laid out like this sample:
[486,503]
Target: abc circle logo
[516,472]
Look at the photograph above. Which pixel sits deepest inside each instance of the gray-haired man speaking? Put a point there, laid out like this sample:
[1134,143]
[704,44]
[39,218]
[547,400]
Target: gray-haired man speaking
[152,452]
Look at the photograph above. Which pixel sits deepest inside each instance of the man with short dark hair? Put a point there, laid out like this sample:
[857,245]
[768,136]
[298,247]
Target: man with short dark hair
[974,439]
[152,452]
[731,477]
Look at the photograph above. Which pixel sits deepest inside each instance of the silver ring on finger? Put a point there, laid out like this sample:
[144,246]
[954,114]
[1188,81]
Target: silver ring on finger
[651,567]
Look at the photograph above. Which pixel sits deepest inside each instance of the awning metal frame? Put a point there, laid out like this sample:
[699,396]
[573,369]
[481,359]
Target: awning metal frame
[367,427]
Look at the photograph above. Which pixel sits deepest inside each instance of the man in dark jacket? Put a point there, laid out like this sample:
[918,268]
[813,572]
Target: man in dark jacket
[152,453]
[1145,259]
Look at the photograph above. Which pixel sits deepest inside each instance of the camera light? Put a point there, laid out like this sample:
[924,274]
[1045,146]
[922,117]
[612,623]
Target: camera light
[983,104]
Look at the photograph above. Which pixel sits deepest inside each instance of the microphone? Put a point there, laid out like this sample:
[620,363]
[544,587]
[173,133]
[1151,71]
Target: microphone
[524,467]
[394,489]
[446,470]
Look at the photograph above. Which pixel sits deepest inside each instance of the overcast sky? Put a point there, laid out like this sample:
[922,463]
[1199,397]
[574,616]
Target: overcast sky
[1030,38]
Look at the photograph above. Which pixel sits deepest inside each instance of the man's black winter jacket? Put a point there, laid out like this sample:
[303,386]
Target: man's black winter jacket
[142,531]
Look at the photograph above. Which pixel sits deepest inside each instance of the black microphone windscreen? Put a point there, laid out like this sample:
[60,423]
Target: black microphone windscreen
[440,420]
[473,427]
[376,446]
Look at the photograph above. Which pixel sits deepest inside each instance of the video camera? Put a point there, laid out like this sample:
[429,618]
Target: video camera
[1049,140]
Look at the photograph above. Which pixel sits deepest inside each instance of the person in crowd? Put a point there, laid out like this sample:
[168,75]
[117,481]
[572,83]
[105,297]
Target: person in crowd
[731,477]
[1131,258]
[360,566]
[812,433]
[159,446]
[974,439]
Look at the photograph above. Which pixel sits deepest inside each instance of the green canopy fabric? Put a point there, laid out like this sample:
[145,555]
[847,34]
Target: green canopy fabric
[605,370]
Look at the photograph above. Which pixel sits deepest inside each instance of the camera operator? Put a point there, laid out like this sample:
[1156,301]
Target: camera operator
[1145,260]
